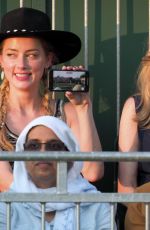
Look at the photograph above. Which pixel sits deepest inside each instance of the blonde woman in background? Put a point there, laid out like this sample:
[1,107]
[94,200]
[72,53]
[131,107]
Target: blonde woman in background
[28,50]
[134,133]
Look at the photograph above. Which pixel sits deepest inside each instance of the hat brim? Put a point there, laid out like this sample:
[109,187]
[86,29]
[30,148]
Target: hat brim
[66,44]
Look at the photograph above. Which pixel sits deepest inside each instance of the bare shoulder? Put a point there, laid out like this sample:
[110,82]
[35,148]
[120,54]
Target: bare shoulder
[129,103]
[128,133]
[129,107]
[128,115]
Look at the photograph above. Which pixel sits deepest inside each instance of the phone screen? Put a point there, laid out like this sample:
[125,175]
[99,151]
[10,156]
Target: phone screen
[66,80]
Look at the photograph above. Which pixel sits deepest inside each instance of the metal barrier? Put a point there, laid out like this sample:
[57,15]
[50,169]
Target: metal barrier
[63,196]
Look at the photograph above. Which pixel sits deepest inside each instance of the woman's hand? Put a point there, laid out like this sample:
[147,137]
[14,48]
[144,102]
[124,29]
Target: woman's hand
[80,67]
[77,99]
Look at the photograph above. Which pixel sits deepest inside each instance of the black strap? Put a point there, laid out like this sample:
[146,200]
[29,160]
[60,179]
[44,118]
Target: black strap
[58,112]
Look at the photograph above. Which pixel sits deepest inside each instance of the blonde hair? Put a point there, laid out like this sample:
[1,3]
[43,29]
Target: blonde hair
[143,89]
[4,91]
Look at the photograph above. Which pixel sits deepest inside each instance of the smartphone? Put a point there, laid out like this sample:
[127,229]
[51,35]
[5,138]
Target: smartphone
[69,80]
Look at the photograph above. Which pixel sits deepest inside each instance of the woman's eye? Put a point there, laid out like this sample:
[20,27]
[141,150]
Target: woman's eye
[11,55]
[33,146]
[32,56]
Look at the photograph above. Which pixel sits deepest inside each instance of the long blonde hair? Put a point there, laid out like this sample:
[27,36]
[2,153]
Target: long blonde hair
[143,89]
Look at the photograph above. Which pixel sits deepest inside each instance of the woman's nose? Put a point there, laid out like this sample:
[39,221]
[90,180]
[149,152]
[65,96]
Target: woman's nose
[43,147]
[22,61]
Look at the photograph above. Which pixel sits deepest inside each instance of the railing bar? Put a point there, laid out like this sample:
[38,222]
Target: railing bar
[53,14]
[21,3]
[78,156]
[86,34]
[78,216]
[43,216]
[8,216]
[149,24]
[61,177]
[75,197]
[147,216]
[112,216]
[118,59]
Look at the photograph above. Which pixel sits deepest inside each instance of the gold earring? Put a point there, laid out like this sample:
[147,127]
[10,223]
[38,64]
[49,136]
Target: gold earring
[2,75]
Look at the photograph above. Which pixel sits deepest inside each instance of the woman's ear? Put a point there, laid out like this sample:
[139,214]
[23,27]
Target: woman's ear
[1,60]
[51,59]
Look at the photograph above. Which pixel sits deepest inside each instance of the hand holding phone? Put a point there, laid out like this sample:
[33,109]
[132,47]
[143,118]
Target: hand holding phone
[69,80]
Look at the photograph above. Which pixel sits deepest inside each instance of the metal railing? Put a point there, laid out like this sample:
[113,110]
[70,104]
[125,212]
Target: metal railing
[63,196]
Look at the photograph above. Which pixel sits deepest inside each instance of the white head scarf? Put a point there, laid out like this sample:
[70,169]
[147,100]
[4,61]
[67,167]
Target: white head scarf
[63,132]
[76,183]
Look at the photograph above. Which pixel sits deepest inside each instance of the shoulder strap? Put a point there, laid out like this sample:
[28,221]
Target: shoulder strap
[137,100]
[59,109]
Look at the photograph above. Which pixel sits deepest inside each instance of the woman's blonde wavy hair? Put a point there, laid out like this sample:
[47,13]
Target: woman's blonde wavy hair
[4,92]
[143,89]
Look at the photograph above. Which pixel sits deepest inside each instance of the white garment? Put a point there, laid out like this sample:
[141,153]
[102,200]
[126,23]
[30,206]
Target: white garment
[76,183]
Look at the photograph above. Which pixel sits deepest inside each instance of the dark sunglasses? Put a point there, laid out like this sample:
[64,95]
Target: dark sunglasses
[52,145]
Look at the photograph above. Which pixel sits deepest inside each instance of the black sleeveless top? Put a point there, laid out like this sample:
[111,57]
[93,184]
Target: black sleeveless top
[144,140]
[58,112]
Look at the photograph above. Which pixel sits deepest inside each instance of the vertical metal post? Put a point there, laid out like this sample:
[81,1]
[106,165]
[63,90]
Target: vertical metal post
[8,216]
[149,24]
[21,3]
[78,216]
[86,34]
[118,59]
[61,177]
[43,216]
[53,14]
[112,216]
[147,216]
[53,28]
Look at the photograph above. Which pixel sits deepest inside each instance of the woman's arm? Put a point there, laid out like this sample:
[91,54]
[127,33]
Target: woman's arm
[6,176]
[128,142]
[80,119]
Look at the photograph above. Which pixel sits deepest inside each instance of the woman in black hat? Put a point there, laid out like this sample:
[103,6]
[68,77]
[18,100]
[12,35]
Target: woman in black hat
[28,49]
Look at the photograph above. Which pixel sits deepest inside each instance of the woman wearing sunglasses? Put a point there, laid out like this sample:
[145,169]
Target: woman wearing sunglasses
[27,51]
[48,133]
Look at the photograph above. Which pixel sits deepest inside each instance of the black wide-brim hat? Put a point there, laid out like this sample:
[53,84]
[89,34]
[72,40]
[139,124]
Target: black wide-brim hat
[28,22]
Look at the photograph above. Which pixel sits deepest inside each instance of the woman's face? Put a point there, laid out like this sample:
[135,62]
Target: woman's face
[23,61]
